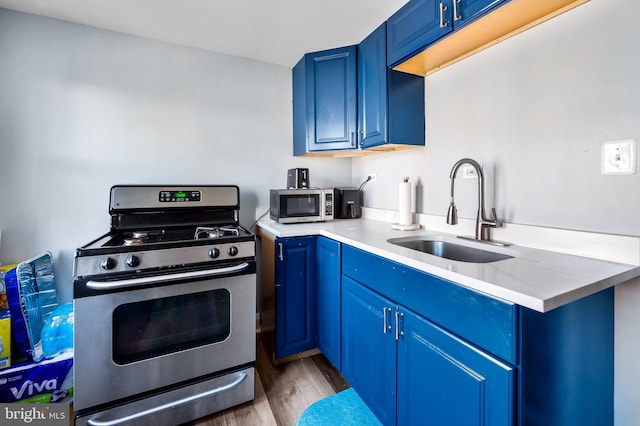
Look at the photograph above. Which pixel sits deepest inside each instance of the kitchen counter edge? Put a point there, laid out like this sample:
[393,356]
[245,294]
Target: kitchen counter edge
[541,280]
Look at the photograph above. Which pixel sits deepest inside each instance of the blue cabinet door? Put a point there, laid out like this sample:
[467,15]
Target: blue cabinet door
[444,380]
[330,101]
[468,10]
[567,363]
[329,294]
[295,295]
[372,88]
[390,103]
[299,92]
[416,25]
[420,23]
[369,348]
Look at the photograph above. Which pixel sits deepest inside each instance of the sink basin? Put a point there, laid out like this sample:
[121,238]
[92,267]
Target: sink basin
[449,250]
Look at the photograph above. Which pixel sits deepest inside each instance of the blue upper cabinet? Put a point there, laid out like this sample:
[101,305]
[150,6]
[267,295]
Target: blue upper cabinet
[417,24]
[465,11]
[420,23]
[325,101]
[426,36]
[346,100]
[372,88]
[390,103]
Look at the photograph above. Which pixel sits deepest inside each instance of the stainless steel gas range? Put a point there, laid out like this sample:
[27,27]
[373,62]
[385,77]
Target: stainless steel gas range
[165,308]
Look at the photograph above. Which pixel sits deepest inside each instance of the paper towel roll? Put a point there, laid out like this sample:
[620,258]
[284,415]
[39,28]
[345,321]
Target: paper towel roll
[404,199]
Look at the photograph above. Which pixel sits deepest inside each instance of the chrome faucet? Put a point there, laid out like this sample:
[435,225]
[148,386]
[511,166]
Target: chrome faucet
[483,223]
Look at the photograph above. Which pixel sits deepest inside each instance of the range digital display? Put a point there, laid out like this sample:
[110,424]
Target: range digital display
[179,196]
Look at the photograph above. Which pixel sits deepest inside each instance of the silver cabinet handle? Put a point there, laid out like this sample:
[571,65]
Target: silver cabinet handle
[456,16]
[239,377]
[281,255]
[109,285]
[386,327]
[399,330]
[443,21]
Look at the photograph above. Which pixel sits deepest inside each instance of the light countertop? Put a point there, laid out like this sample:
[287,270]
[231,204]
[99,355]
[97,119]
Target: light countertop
[537,279]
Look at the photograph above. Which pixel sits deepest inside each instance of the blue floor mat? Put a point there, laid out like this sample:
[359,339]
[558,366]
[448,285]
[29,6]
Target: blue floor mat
[343,408]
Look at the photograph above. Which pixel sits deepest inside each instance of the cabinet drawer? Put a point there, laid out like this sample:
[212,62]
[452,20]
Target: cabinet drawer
[487,322]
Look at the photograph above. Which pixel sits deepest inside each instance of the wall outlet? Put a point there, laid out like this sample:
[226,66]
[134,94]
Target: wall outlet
[469,172]
[373,177]
[619,157]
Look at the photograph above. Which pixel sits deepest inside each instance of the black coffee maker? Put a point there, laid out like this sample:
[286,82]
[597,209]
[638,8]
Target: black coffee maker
[348,203]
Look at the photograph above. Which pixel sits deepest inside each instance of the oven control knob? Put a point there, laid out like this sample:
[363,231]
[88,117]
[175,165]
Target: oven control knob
[108,263]
[233,250]
[132,261]
[213,253]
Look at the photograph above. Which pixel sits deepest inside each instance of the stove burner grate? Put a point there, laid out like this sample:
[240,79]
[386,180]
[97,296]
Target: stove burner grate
[203,232]
[133,242]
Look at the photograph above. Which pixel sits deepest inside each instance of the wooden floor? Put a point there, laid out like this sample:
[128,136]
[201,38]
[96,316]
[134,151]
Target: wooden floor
[282,392]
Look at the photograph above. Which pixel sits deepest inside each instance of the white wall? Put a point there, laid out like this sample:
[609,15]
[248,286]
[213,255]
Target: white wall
[534,110]
[83,109]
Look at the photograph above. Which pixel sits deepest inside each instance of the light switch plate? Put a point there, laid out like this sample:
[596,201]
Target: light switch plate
[619,157]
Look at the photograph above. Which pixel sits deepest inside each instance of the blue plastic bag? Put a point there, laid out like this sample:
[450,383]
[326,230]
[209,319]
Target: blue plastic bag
[31,292]
[57,333]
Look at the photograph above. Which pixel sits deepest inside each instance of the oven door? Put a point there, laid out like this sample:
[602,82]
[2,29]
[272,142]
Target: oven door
[177,328]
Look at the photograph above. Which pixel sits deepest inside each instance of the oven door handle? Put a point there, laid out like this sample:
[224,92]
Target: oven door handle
[110,285]
[238,378]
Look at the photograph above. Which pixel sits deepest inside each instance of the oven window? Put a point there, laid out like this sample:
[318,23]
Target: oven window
[300,205]
[151,328]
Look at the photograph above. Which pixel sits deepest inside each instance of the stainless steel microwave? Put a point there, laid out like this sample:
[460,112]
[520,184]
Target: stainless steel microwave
[301,205]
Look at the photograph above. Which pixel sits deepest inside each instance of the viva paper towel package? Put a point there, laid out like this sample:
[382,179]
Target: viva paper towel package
[48,381]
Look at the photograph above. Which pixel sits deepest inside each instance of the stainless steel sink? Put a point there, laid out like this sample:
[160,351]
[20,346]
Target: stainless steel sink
[449,250]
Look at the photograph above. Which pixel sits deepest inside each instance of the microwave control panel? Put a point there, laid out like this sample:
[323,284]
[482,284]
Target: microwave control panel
[328,204]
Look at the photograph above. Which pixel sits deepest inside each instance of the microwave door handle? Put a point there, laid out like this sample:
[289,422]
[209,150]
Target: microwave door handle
[237,379]
[110,285]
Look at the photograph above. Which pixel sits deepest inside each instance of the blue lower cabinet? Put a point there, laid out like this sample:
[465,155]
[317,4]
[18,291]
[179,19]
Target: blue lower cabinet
[459,357]
[567,364]
[443,380]
[307,297]
[425,351]
[410,371]
[329,295]
[369,348]
[295,295]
